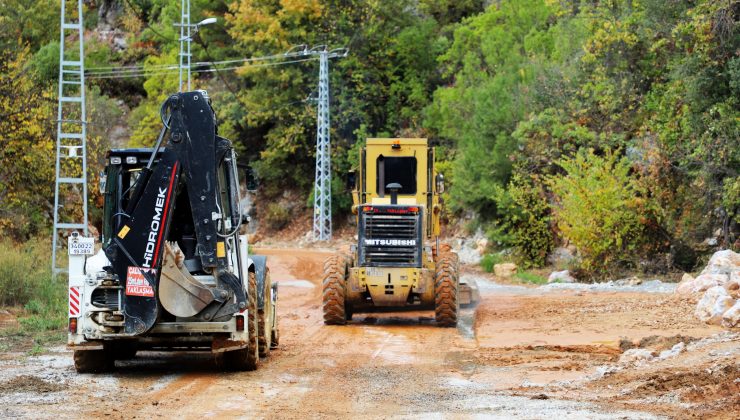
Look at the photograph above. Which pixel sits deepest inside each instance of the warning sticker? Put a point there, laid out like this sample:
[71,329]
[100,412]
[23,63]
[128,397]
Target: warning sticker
[137,284]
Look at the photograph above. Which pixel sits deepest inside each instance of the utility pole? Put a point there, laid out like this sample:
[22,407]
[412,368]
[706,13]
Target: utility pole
[184,40]
[322,186]
[70,187]
[186,37]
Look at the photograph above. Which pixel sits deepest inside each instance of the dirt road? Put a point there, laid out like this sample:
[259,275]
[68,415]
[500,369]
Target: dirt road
[523,352]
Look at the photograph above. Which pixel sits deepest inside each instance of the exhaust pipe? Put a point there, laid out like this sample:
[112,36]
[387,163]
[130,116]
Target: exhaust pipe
[394,187]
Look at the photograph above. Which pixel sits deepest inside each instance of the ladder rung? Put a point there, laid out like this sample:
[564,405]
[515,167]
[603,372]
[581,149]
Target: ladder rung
[76,63]
[71,180]
[71,71]
[71,26]
[71,82]
[71,99]
[70,136]
[69,226]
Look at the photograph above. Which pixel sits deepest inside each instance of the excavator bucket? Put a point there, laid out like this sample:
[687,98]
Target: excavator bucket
[179,293]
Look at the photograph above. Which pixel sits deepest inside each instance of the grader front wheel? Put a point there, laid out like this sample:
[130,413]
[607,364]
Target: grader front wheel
[446,305]
[334,291]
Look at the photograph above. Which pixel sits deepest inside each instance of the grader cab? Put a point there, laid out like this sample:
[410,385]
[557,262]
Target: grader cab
[398,262]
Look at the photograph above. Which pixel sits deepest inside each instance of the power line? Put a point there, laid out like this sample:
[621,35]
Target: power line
[174,69]
[96,71]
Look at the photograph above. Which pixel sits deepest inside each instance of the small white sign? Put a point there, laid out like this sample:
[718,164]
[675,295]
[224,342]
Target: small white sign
[374,272]
[81,246]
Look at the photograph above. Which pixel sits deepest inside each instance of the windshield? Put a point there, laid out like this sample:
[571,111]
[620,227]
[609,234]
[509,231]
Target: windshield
[401,170]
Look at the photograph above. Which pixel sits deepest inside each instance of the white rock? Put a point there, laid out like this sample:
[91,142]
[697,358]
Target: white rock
[561,277]
[560,256]
[731,317]
[673,352]
[721,305]
[723,262]
[635,356]
[686,286]
[707,281]
[469,250]
[734,283]
[705,306]
[504,270]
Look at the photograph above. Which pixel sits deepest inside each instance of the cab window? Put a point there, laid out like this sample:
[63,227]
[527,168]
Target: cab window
[401,170]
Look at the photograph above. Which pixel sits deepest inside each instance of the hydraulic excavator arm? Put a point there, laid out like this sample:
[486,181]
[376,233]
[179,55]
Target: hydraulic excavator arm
[190,180]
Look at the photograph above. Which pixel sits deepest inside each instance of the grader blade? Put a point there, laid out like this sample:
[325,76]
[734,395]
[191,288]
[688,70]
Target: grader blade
[179,293]
[468,294]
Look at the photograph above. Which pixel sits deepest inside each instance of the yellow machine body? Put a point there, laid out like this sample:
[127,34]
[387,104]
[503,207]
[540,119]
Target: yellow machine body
[384,285]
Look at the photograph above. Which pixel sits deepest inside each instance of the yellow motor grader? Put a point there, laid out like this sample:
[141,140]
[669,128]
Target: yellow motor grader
[398,262]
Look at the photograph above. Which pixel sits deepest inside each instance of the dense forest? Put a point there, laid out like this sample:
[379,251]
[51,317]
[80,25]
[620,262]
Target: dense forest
[610,125]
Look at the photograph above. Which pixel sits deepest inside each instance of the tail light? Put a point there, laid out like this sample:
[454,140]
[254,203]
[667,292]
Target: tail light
[73,325]
[240,323]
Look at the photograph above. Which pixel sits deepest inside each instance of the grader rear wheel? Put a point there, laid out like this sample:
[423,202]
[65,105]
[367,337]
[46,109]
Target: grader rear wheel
[446,305]
[265,318]
[246,358]
[334,290]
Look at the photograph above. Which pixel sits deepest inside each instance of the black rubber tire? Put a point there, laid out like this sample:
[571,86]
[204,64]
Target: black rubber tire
[246,358]
[264,318]
[446,305]
[93,361]
[334,287]
[122,350]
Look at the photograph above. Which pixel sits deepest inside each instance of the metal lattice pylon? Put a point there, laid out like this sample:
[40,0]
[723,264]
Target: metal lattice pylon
[70,190]
[322,188]
[185,39]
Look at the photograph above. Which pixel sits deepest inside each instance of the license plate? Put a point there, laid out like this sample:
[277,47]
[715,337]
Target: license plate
[82,246]
[373,272]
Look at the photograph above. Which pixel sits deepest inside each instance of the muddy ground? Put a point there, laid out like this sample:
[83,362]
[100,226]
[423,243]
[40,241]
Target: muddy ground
[523,352]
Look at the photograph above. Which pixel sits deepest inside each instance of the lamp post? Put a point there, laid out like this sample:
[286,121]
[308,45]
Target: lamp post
[187,31]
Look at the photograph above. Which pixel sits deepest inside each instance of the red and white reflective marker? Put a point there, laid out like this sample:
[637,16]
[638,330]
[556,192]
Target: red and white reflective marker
[74,301]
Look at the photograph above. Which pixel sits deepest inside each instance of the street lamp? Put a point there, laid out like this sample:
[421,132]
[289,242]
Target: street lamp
[187,31]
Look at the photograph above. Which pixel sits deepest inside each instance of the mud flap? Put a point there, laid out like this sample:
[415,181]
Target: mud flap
[138,243]
[260,266]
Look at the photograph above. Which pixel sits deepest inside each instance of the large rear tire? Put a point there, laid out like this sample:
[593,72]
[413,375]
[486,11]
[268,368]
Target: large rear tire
[334,290]
[122,350]
[246,358]
[446,305]
[265,317]
[93,361]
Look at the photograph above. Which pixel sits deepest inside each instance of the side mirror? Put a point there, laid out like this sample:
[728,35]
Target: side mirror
[351,180]
[250,178]
[102,180]
[440,181]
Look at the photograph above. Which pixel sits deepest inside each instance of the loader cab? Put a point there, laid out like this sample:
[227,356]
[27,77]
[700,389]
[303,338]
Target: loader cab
[121,171]
[118,181]
[396,201]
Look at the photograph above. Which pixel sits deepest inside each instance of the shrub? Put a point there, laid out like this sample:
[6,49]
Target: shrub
[277,216]
[488,261]
[601,209]
[524,221]
[25,279]
[529,277]
[23,271]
